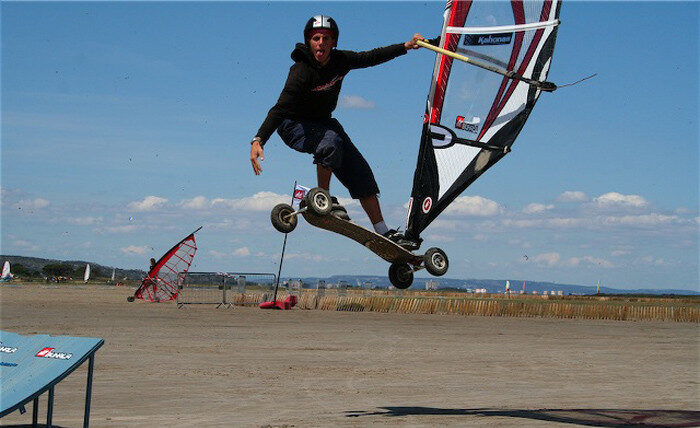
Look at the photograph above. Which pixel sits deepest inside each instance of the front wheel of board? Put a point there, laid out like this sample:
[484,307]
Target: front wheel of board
[319,201]
[130,299]
[400,275]
[436,261]
[281,218]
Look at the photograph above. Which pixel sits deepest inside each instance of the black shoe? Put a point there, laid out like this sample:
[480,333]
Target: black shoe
[401,240]
[338,210]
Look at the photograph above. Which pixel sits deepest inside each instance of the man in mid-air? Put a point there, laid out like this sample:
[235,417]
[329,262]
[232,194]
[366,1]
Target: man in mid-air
[303,118]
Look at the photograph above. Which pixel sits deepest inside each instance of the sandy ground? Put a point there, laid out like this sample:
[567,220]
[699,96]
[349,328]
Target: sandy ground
[247,367]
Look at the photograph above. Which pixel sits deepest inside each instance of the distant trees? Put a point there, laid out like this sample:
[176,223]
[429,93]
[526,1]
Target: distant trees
[98,272]
[22,271]
[52,270]
[70,271]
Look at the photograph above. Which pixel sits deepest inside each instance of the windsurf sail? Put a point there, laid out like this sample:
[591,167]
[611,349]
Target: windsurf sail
[6,274]
[165,278]
[473,115]
[86,275]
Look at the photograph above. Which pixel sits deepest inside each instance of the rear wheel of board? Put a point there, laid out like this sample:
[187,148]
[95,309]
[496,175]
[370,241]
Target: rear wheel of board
[401,275]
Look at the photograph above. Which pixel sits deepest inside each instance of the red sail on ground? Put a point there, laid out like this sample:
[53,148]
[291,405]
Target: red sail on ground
[167,276]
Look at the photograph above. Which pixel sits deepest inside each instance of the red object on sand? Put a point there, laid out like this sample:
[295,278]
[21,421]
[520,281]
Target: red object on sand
[286,305]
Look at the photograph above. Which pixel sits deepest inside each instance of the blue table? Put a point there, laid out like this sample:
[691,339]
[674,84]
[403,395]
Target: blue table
[32,365]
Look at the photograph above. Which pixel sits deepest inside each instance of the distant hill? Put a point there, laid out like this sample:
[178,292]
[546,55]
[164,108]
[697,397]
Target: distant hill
[491,285]
[35,265]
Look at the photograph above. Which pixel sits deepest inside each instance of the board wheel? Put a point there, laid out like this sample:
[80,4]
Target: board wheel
[436,261]
[319,201]
[130,299]
[401,275]
[281,218]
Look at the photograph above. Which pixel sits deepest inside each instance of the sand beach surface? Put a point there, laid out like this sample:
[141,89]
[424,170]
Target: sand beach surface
[242,366]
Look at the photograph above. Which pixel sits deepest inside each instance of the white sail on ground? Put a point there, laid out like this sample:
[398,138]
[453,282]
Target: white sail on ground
[6,274]
[114,271]
[87,273]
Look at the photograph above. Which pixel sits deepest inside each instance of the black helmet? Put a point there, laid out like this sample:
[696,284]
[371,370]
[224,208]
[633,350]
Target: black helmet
[321,21]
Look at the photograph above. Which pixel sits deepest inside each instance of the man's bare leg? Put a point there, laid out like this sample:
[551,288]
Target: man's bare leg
[369,203]
[323,175]
[374,212]
[371,206]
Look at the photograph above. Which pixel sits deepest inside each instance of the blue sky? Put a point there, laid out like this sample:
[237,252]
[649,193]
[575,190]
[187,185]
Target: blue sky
[126,125]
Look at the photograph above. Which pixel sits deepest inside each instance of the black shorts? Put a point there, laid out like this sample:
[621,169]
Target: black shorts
[333,149]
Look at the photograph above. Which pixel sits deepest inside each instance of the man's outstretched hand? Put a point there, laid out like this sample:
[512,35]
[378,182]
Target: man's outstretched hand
[256,151]
[411,44]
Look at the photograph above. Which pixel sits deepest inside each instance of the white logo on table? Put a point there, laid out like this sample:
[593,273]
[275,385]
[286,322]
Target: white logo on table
[7,350]
[49,353]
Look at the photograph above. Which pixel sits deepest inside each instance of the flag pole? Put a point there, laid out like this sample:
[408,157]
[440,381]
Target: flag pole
[284,246]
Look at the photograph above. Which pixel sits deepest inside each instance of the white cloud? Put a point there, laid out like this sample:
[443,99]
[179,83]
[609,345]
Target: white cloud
[598,261]
[554,259]
[134,250]
[572,196]
[356,102]
[118,229]
[348,202]
[196,203]
[25,245]
[571,262]
[474,206]
[597,222]
[218,254]
[32,204]
[536,208]
[652,219]
[653,261]
[241,252]
[546,259]
[230,224]
[309,257]
[619,253]
[519,243]
[84,221]
[444,225]
[149,203]
[440,238]
[613,199]
[566,222]
[522,224]
[261,201]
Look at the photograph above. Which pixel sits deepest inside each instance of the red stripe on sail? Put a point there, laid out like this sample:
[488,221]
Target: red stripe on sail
[458,15]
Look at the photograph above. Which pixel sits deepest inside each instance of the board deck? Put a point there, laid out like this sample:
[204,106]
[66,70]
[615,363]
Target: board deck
[381,246]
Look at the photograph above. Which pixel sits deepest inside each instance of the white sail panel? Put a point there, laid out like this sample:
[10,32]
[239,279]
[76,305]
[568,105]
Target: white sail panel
[451,164]
[6,270]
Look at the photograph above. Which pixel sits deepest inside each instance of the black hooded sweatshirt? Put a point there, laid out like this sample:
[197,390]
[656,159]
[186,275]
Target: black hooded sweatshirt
[311,91]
